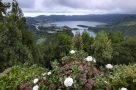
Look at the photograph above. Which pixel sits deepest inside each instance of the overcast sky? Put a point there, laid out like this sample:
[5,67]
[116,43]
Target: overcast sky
[76,7]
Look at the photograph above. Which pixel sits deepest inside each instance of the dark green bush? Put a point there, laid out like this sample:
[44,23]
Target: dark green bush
[13,77]
[124,76]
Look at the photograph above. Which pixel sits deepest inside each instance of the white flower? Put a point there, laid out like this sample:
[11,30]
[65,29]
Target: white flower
[44,78]
[94,60]
[36,87]
[49,73]
[89,59]
[35,80]
[44,74]
[123,88]
[109,66]
[68,82]
[106,82]
[72,52]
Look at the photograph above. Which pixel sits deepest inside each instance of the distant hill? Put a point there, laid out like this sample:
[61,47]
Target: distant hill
[124,23]
[108,18]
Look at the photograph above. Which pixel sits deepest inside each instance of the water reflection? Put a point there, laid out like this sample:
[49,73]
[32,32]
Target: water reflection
[74,24]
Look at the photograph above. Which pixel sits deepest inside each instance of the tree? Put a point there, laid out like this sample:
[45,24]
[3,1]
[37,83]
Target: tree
[116,37]
[3,8]
[87,42]
[57,49]
[16,11]
[125,52]
[64,44]
[16,43]
[50,54]
[78,44]
[102,48]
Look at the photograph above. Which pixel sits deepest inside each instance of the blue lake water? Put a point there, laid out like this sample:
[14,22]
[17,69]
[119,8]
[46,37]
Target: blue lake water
[73,24]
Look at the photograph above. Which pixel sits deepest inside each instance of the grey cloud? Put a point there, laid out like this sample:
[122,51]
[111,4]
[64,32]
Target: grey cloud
[126,6]
[26,3]
[78,6]
[99,4]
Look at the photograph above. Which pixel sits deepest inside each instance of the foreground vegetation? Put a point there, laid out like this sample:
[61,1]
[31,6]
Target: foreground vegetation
[106,62]
[75,73]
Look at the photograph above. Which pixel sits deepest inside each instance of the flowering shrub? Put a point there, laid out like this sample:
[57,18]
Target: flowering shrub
[121,77]
[78,56]
[75,72]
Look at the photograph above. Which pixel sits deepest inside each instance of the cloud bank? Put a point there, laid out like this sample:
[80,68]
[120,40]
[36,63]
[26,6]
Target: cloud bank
[77,7]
